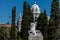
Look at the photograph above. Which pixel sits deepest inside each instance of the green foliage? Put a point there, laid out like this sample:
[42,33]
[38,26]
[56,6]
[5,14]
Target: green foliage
[53,22]
[4,33]
[13,32]
[51,30]
[55,11]
[18,36]
[42,24]
[27,18]
[13,15]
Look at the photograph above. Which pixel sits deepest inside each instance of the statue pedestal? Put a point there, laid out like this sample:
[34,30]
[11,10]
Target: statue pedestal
[38,36]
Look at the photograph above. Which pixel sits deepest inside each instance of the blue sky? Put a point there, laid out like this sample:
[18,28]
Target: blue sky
[6,7]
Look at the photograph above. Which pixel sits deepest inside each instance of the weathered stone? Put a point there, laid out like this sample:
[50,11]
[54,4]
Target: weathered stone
[38,36]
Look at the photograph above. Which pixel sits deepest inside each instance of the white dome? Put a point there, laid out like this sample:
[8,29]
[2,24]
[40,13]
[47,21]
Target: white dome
[35,8]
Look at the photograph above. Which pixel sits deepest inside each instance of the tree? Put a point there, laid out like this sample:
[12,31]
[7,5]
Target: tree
[18,36]
[53,23]
[26,19]
[4,33]
[51,30]
[55,11]
[13,32]
[42,24]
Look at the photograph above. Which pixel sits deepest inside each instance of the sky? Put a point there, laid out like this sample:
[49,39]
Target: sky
[6,8]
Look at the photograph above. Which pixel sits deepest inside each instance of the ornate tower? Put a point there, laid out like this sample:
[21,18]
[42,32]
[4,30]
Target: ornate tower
[19,22]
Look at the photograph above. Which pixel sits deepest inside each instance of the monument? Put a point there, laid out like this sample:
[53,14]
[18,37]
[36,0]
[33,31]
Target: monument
[34,34]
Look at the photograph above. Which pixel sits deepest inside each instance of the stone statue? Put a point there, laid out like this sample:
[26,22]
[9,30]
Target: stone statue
[32,27]
[34,34]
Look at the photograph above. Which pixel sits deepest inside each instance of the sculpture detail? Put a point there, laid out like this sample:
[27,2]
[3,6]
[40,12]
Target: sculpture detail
[32,27]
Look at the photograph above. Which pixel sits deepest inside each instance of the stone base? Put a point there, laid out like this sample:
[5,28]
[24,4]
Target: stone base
[35,37]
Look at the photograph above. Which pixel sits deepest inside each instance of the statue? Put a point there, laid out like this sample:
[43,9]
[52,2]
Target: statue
[34,34]
[32,27]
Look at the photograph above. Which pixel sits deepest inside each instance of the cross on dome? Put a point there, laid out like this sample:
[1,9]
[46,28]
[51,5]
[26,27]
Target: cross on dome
[35,2]
[35,8]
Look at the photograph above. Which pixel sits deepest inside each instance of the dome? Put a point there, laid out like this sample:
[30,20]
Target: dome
[35,8]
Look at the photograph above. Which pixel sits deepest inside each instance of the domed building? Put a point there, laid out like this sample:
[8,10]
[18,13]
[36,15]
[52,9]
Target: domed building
[36,11]
[33,33]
